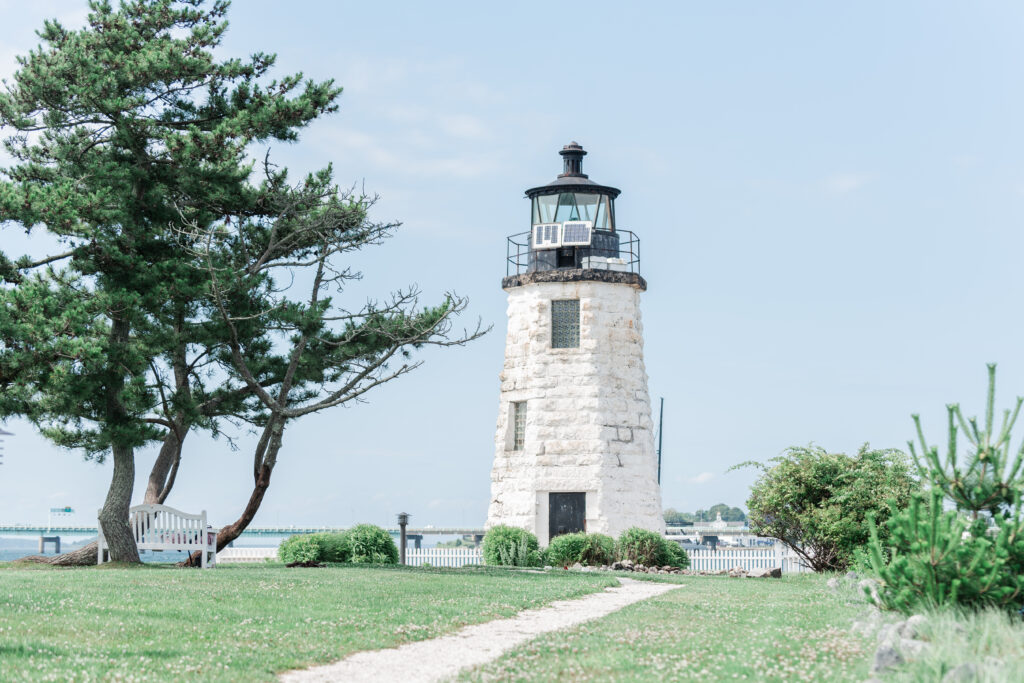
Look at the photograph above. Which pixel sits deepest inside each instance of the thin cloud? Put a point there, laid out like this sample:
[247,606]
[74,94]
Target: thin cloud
[702,478]
[845,183]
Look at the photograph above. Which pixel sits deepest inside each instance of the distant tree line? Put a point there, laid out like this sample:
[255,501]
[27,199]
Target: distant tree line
[729,514]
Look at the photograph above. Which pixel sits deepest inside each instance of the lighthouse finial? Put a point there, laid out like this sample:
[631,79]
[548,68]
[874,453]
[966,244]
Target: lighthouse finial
[573,154]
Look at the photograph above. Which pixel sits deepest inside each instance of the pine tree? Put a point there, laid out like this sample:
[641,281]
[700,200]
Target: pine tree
[123,132]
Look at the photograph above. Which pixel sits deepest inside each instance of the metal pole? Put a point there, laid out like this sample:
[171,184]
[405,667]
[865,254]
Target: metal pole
[403,519]
[661,424]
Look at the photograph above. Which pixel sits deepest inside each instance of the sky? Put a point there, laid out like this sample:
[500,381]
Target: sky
[829,198]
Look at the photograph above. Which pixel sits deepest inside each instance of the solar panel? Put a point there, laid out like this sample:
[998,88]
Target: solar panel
[547,236]
[576,233]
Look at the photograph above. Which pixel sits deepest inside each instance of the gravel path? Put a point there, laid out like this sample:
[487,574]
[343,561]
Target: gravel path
[442,658]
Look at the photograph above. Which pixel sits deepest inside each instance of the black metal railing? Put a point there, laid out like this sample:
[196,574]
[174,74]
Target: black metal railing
[624,256]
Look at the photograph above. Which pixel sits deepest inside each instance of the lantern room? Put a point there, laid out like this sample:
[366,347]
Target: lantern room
[572,224]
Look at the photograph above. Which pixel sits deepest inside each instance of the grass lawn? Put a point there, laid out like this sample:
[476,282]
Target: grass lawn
[239,622]
[713,628]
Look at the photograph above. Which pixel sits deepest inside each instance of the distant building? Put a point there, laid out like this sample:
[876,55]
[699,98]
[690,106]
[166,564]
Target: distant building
[574,448]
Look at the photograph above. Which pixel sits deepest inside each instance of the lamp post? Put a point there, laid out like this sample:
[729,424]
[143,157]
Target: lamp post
[2,435]
[403,520]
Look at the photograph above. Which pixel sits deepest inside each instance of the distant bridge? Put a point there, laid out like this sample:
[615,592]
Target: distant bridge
[54,530]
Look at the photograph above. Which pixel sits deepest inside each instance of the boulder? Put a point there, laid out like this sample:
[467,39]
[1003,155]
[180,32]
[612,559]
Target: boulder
[870,588]
[912,627]
[886,657]
[965,673]
[737,572]
[833,584]
[577,567]
[911,647]
[851,576]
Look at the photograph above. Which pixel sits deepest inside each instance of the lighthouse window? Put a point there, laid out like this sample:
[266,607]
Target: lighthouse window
[565,324]
[519,428]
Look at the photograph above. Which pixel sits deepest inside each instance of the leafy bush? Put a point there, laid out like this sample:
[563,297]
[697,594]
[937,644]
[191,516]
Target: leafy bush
[511,547]
[300,548]
[371,544]
[589,549]
[650,548]
[818,503]
[677,557]
[334,547]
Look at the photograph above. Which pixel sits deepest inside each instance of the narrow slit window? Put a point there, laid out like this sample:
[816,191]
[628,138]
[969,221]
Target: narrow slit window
[519,425]
[565,324]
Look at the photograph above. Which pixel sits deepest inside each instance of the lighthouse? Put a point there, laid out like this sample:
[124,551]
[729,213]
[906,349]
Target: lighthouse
[574,446]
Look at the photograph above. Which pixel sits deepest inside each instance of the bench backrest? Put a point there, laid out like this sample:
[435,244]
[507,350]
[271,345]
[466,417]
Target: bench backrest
[156,524]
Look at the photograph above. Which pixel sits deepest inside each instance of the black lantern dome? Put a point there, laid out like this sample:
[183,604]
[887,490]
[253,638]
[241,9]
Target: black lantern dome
[572,219]
[573,196]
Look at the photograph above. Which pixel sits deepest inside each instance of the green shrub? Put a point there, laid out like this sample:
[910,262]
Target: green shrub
[371,544]
[334,547]
[286,551]
[641,546]
[589,549]
[511,547]
[818,503]
[973,556]
[650,549]
[300,548]
[940,557]
[677,557]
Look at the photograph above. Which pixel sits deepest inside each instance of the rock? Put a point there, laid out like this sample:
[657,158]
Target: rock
[911,647]
[737,572]
[618,566]
[587,569]
[639,568]
[833,584]
[851,576]
[964,673]
[667,567]
[577,567]
[886,657]
[627,565]
[548,567]
[862,628]
[912,627]
[889,634]
[994,664]
[870,587]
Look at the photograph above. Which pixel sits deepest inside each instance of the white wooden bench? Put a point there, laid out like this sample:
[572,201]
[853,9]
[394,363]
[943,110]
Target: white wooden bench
[158,527]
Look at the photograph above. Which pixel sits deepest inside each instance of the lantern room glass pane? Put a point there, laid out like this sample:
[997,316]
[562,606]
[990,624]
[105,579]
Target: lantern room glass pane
[544,208]
[567,210]
[565,324]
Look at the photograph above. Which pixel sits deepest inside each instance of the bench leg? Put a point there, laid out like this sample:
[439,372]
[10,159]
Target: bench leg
[202,562]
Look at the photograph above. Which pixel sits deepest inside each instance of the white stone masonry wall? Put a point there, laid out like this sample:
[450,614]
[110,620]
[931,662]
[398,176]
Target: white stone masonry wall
[588,418]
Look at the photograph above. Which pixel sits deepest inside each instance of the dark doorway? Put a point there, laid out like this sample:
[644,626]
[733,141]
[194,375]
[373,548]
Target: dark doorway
[567,513]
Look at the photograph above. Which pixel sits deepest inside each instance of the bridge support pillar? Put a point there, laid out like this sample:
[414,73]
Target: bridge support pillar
[55,540]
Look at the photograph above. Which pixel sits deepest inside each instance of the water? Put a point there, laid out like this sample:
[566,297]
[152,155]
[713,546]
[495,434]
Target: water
[9,554]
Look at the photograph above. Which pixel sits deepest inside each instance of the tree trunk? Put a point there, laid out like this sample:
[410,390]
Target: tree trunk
[165,469]
[268,448]
[114,514]
[161,481]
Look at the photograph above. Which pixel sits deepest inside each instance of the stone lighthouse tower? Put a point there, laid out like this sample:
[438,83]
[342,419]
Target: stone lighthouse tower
[574,448]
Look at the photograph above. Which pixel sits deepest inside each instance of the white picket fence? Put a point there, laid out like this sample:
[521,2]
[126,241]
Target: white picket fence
[748,558]
[246,555]
[443,557]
